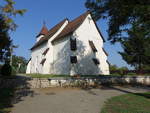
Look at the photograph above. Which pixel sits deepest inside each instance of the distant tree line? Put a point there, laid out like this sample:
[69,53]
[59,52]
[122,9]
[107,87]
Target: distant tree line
[114,70]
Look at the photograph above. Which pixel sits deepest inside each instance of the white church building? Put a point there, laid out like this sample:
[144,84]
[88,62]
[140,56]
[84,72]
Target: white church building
[70,48]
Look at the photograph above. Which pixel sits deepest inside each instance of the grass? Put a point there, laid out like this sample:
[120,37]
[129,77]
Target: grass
[128,103]
[6,95]
[49,75]
[45,75]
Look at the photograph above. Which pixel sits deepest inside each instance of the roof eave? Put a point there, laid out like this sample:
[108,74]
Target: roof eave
[55,40]
[97,27]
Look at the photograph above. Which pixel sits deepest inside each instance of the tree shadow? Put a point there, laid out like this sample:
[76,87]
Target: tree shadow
[12,91]
[128,90]
[84,65]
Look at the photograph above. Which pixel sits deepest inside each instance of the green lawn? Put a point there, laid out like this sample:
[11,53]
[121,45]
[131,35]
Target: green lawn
[49,75]
[45,75]
[128,103]
[6,95]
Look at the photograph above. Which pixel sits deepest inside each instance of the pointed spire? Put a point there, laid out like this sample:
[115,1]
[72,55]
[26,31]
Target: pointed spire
[44,23]
[44,29]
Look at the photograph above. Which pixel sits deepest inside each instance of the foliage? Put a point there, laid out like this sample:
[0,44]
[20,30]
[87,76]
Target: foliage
[5,41]
[113,68]
[129,23]
[146,67]
[118,70]
[136,48]
[19,63]
[7,24]
[121,14]
[6,96]
[6,70]
[9,11]
[128,103]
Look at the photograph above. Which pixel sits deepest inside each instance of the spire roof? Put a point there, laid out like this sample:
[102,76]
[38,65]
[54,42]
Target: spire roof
[44,30]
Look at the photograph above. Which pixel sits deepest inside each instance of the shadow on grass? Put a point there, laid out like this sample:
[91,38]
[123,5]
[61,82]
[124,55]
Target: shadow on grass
[130,87]
[12,91]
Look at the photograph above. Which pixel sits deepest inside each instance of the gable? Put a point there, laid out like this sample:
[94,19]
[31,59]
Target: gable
[73,25]
[50,33]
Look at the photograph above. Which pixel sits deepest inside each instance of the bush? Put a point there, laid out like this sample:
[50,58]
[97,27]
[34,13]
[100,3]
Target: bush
[13,71]
[6,70]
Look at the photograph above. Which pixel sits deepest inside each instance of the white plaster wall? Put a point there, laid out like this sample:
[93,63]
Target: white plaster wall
[85,66]
[28,67]
[58,56]
[36,58]
[50,55]
[61,55]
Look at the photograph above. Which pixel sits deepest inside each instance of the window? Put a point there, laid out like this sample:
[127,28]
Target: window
[96,61]
[73,59]
[43,61]
[45,52]
[73,44]
[92,46]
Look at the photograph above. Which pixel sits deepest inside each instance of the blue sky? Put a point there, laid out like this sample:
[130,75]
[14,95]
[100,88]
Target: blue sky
[53,11]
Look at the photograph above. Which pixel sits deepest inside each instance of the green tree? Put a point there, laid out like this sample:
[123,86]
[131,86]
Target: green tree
[113,68]
[19,63]
[121,15]
[7,24]
[5,41]
[9,12]
[136,47]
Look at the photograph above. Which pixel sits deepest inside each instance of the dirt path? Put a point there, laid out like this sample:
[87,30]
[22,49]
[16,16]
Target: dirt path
[59,100]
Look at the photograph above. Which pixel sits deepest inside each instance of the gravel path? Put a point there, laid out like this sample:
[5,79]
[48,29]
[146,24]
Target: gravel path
[59,100]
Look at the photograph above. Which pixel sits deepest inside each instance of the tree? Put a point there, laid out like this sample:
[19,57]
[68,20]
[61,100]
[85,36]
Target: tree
[5,41]
[7,24]
[19,63]
[113,68]
[121,15]
[136,47]
[8,11]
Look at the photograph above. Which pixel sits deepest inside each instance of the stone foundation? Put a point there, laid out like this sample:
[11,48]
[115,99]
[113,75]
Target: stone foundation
[75,82]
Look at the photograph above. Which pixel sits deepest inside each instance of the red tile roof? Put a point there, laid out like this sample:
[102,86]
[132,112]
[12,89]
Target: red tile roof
[72,26]
[43,31]
[50,33]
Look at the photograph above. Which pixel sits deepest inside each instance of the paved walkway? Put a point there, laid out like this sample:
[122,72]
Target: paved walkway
[59,100]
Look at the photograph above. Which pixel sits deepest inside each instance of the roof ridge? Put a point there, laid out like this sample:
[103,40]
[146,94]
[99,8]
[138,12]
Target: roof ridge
[72,25]
[84,14]
[57,25]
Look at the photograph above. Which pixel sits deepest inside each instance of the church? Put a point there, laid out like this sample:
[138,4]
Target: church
[70,48]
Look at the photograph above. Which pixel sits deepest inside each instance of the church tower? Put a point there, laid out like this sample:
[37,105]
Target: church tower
[42,33]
